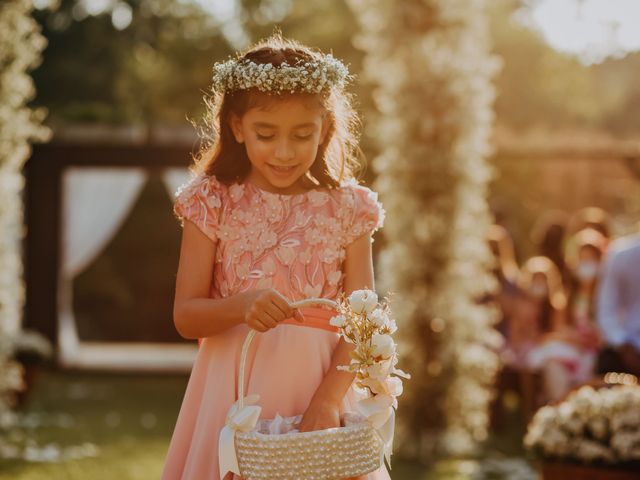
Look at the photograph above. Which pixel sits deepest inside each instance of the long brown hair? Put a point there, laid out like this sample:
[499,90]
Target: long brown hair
[339,157]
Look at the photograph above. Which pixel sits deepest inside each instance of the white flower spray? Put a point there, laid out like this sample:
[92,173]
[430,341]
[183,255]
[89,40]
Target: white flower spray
[367,324]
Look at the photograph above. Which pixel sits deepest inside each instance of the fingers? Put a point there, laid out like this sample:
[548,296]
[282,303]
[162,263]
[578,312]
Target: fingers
[297,314]
[285,307]
[282,304]
[270,308]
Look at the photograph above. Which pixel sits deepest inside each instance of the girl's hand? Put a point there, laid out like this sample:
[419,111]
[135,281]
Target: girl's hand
[320,415]
[265,309]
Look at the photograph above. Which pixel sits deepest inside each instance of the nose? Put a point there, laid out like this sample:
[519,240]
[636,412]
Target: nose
[284,151]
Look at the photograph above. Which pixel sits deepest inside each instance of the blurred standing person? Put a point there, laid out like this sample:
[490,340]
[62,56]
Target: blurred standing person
[618,307]
[505,271]
[585,267]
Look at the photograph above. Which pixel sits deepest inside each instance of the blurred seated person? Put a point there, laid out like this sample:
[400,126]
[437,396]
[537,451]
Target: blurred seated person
[618,307]
[567,354]
[538,308]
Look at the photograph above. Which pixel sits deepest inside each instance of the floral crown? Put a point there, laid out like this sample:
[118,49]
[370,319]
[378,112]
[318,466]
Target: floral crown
[305,76]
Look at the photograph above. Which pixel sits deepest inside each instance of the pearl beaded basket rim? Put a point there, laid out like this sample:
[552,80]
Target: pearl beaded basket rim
[268,458]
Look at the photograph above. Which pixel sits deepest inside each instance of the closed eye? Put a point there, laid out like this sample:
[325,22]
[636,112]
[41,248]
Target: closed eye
[264,137]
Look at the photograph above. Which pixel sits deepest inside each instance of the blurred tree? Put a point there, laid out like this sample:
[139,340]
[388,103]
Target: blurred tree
[149,60]
[138,61]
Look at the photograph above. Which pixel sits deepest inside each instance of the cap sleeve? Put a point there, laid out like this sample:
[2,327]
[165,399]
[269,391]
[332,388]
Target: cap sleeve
[200,201]
[366,213]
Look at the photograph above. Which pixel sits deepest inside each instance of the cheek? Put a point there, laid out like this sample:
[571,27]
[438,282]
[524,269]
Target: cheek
[259,152]
[307,152]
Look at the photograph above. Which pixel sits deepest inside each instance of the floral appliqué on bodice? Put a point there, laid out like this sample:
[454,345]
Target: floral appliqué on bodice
[293,243]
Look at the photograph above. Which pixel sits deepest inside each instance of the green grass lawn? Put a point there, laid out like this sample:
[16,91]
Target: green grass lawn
[119,427]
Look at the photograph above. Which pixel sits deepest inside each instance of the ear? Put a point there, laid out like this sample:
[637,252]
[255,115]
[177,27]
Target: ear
[236,127]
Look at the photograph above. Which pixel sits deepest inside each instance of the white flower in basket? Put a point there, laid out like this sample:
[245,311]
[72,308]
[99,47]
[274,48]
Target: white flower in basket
[355,449]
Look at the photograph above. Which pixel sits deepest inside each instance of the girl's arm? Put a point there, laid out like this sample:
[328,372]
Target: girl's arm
[195,315]
[323,411]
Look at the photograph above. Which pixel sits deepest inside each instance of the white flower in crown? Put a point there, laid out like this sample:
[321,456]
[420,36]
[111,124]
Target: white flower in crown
[310,77]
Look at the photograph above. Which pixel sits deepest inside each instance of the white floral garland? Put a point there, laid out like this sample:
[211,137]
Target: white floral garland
[308,77]
[20,47]
[429,68]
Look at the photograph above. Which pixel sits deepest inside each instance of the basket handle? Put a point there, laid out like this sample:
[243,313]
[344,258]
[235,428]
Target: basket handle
[247,341]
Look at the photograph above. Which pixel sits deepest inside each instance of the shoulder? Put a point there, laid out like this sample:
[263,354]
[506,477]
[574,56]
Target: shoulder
[201,190]
[201,185]
[363,201]
[360,210]
[352,193]
[201,194]
[624,245]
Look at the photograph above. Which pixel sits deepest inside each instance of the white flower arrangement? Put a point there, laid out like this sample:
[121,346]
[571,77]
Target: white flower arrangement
[601,426]
[366,323]
[308,77]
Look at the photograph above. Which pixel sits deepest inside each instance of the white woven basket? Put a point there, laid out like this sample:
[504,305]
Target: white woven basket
[331,454]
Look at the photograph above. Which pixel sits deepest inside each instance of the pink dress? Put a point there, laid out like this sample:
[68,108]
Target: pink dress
[295,244]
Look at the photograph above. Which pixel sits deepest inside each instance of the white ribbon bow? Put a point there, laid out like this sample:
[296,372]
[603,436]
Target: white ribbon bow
[381,415]
[238,420]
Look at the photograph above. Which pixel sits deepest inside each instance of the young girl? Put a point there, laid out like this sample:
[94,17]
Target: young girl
[272,216]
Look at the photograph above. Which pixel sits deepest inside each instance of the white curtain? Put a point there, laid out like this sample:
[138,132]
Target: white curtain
[95,203]
[174,178]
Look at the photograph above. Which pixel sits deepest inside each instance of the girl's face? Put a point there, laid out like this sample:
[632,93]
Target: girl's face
[282,141]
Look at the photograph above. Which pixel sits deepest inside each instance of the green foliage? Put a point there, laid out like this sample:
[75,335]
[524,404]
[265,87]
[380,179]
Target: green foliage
[154,70]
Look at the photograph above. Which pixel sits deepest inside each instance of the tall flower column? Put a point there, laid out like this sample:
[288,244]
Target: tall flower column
[20,47]
[430,69]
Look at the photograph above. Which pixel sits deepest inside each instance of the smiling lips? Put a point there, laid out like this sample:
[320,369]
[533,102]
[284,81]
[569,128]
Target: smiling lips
[282,171]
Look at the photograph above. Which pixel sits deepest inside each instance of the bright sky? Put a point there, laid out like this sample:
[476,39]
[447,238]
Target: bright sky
[590,29]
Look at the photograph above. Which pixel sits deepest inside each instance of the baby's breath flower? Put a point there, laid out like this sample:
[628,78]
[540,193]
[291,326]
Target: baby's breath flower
[308,77]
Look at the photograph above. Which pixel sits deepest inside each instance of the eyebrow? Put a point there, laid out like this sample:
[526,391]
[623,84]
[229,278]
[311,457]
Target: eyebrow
[270,125]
